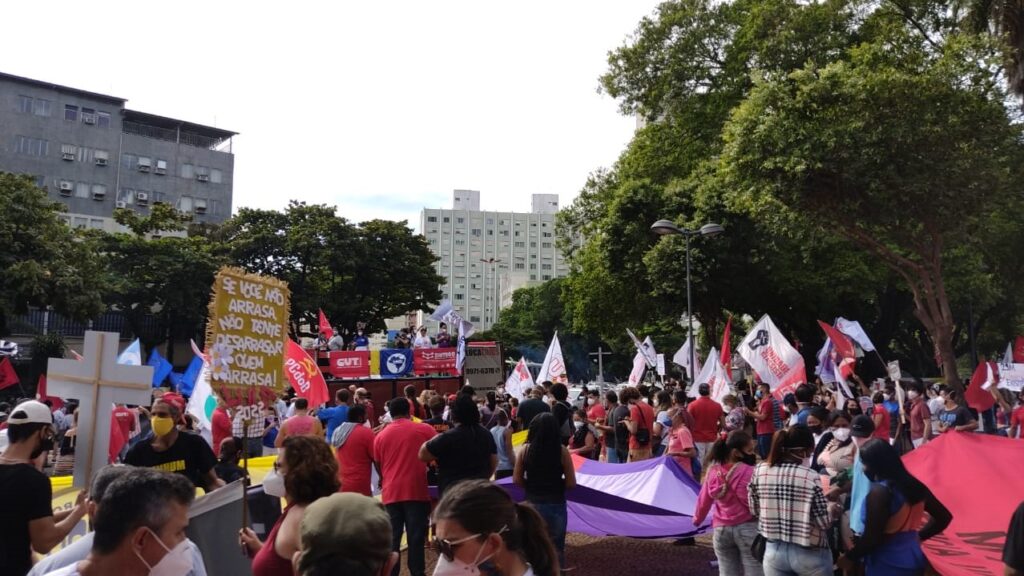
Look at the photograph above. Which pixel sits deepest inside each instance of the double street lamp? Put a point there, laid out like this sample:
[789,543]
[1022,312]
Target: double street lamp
[669,228]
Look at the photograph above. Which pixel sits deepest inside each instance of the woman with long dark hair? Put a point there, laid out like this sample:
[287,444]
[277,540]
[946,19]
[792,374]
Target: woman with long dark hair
[544,468]
[729,468]
[792,512]
[478,525]
[895,507]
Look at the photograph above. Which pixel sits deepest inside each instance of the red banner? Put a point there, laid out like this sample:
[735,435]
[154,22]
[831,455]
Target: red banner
[433,360]
[346,364]
[304,375]
[982,495]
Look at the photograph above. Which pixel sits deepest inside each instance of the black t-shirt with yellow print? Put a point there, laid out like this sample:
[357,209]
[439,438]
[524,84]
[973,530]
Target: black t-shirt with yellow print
[189,455]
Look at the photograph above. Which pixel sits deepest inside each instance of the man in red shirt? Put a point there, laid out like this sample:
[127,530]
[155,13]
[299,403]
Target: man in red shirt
[595,413]
[920,416]
[708,420]
[355,452]
[404,482]
[220,423]
[1017,419]
[765,423]
[125,418]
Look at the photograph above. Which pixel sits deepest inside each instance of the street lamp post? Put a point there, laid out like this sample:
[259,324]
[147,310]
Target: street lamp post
[668,228]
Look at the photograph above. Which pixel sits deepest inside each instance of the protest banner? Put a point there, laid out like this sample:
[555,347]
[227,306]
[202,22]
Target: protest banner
[483,365]
[553,367]
[350,363]
[395,362]
[773,358]
[247,334]
[433,360]
[305,376]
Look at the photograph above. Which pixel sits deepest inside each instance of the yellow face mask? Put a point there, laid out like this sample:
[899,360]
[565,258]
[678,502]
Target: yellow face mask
[162,425]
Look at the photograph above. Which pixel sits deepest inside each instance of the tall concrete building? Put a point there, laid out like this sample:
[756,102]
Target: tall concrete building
[93,155]
[487,255]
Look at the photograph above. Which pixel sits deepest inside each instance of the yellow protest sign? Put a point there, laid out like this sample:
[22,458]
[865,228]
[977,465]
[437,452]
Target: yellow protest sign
[246,336]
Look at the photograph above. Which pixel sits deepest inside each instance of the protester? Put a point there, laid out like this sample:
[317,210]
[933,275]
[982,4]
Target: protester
[404,481]
[893,515]
[735,415]
[220,423]
[479,526]
[271,430]
[1016,428]
[531,407]
[336,415]
[416,409]
[764,418]
[729,469]
[583,443]
[336,342]
[545,470]
[353,445]
[29,522]
[680,442]
[304,471]
[79,549]
[301,424]
[422,340]
[125,419]
[345,534]
[804,395]
[140,528]
[65,463]
[640,424]
[502,434]
[1013,549]
[708,420]
[173,451]
[839,453]
[466,451]
[954,417]
[609,427]
[880,416]
[920,416]
[360,342]
[227,468]
[662,422]
[562,410]
[792,513]
[444,340]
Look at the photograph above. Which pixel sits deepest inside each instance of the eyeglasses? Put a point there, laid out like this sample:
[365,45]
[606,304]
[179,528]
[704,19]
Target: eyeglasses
[447,547]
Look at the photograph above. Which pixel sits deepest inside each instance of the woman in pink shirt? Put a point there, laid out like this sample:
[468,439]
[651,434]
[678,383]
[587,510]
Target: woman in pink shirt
[731,465]
[680,441]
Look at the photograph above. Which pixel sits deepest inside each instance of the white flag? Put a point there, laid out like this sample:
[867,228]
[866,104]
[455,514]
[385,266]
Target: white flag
[772,357]
[1008,355]
[646,348]
[713,374]
[202,401]
[519,381]
[636,375]
[553,368]
[682,357]
[442,310]
[853,329]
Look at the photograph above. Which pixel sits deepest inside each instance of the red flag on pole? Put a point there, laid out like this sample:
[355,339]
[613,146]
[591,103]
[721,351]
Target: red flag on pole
[42,396]
[840,342]
[1018,350]
[977,397]
[726,357]
[8,377]
[304,375]
[325,326]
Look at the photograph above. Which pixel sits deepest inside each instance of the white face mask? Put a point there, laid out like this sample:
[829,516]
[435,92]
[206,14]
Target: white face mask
[273,484]
[578,424]
[841,434]
[591,401]
[177,561]
[912,394]
[446,567]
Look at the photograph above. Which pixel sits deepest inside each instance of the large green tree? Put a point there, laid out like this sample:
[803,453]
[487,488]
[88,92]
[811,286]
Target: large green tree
[43,262]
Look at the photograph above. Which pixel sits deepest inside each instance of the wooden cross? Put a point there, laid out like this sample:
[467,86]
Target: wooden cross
[97,381]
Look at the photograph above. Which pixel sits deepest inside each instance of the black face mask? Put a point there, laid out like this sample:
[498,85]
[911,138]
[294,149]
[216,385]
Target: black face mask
[814,429]
[749,459]
[44,446]
[870,475]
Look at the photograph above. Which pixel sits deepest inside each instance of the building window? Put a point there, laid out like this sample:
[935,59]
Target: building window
[103,119]
[520,266]
[81,190]
[490,221]
[185,204]
[545,244]
[533,266]
[68,152]
[31,146]
[545,266]
[460,242]
[533,244]
[520,244]
[546,234]
[99,190]
[126,195]
[96,223]
[516,234]
[546,277]
[80,222]
[161,167]
[216,176]
[474,318]
[88,115]
[42,107]
[431,218]
[504,233]
[25,104]
[460,296]
[475,232]
[187,171]
[71,113]
[533,276]
[460,220]
[446,220]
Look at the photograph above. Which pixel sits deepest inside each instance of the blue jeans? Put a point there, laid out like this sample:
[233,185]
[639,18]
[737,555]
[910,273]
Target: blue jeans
[732,548]
[764,445]
[412,518]
[613,456]
[785,559]
[556,516]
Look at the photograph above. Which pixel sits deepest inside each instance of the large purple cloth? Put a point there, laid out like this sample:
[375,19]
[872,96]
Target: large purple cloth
[650,499]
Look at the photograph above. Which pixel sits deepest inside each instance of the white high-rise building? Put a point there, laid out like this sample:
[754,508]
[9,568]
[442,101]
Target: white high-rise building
[485,256]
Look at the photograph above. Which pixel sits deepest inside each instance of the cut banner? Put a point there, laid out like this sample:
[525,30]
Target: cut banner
[553,368]
[519,381]
[641,361]
[772,357]
[682,357]
[714,375]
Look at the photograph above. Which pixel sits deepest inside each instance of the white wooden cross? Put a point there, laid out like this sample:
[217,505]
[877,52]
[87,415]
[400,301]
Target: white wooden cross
[97,381]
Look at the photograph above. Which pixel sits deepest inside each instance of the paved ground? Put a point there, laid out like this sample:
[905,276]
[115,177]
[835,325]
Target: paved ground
[628,557]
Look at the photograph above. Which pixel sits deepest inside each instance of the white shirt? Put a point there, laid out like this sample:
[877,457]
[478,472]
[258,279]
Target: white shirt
[64,562]
[422,342]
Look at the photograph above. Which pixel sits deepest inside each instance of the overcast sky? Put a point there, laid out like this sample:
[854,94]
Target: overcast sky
[380,108]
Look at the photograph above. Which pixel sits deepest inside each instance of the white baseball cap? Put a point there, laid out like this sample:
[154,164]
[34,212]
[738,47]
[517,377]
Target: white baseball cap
[30,412]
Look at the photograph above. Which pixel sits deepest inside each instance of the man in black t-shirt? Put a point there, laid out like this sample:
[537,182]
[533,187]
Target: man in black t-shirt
[173,451]
[1013,550]
[562,411]
[530,408]
[465,452]
[29,522]
[954,417]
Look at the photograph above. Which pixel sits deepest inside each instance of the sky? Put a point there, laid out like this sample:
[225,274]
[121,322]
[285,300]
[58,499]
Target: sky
[379,108]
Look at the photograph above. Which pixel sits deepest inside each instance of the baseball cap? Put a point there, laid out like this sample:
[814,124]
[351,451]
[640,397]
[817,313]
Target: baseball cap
[30,412]
[346,526]
[862,426]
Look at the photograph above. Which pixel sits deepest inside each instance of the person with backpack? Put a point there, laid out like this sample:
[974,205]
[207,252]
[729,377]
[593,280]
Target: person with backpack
[640,424]
[730,467]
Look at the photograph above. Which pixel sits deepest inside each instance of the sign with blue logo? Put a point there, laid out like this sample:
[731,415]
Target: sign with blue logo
[395,362]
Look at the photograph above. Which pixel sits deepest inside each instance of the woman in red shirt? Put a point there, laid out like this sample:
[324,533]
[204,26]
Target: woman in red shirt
[305,470]
[881,417]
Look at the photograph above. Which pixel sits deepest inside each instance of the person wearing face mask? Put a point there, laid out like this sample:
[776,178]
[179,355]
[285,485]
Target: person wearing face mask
[920,416]
[360,342]
[892,406]
[305,470]
[880,416]
[29,522]
[480,530]
[838,454]
[729,469]
[173,451]
[893,516]
[792,513]
[954,417]
[583,442]
[139,528]
[764,418]
[822,435]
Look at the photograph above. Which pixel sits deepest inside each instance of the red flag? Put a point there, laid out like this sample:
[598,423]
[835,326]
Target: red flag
[42,396]
[8,377]
[726,357]
[977,397]
[117,439]
[840,342]
[325,326]
[1018,350]
[304,375]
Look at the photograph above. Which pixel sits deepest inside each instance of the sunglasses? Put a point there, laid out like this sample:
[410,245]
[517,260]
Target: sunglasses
[447,547]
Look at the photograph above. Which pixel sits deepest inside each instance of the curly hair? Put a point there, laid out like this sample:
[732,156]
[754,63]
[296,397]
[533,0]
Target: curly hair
[312,469]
